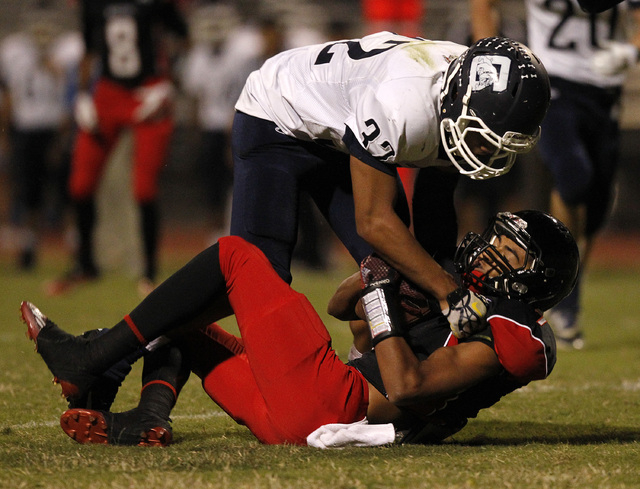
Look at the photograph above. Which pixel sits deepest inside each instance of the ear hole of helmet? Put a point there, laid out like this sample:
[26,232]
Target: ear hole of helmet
[454,91]
[515,88]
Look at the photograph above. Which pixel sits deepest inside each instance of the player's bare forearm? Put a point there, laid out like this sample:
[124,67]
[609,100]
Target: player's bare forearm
[485,18]
[444,374]
[377,222]
[401,250]
[342,304]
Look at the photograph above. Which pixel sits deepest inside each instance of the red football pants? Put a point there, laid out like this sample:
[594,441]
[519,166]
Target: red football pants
[281,379]
[115,106]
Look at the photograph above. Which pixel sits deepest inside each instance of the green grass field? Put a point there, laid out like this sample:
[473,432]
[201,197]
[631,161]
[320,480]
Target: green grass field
[578,429]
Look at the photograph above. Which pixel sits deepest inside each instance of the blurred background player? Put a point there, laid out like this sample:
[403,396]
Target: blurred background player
[400,16]
[133,90]
[225,51]
[213,76]
[586,56]
[34,124]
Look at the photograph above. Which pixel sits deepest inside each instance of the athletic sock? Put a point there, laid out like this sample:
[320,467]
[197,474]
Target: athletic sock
[118,343]
[164,374]
[182,297]
[86,217]
[149,224]
[176,301]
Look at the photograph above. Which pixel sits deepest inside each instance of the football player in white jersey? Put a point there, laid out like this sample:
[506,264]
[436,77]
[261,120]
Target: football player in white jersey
[32,121]
[586,56]
[336,119]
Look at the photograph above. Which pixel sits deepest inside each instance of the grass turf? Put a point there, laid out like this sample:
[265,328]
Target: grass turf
[579,428]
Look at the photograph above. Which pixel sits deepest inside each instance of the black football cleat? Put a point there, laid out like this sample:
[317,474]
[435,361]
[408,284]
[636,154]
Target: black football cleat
[103,392]
[62,352]
[131,428]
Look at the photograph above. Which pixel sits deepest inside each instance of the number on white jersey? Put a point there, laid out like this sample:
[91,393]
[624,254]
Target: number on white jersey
[566,9]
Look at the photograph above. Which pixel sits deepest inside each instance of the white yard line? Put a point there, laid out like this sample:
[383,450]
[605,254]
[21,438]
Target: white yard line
[626,385]
[49,424]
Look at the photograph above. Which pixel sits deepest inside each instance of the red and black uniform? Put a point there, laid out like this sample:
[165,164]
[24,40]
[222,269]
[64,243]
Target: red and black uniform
[281,378]
[522,340]
[125,35]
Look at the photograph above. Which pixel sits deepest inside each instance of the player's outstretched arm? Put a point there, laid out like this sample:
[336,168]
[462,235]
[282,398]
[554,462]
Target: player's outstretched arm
[374,194]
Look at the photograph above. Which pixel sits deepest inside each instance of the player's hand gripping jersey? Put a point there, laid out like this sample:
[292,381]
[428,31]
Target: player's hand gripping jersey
[380,93]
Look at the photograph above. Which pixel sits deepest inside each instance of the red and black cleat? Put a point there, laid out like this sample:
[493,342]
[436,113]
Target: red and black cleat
[129,428]
[63,353]
[34,319]
[85,426]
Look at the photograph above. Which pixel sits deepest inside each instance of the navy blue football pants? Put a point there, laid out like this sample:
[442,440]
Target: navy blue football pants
[579,144]
[270,171]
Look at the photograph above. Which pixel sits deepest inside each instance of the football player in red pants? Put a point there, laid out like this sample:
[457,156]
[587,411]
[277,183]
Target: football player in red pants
[282,379]
[133,91]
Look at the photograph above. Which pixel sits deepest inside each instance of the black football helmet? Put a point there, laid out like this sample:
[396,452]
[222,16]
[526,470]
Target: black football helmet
[497,89]
[551,267]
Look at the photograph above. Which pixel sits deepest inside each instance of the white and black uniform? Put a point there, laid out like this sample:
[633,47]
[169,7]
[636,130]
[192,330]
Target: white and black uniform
[566,38]
[384,88]
[35,83]
[302,114]
[580,134]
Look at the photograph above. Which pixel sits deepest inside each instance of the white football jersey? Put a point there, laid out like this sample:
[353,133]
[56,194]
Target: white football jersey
[37,93]
[215,80]
[565,38]
[384,87]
